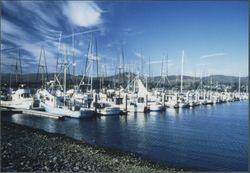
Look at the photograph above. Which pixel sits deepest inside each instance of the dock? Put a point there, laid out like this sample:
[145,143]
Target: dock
[42,114]
[32,112]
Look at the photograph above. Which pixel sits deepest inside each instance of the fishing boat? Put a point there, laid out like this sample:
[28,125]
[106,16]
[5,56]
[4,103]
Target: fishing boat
[20,98]
[105,106]
[59,102]
[154,106]
[171,100]
[63,106]
[138,100]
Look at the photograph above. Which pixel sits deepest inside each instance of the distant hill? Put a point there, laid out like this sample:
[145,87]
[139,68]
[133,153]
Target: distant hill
[227,79]
[215,78]
[221,79]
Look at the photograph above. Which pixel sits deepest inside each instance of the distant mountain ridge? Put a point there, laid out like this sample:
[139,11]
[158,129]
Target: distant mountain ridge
[217,78]
[32,77]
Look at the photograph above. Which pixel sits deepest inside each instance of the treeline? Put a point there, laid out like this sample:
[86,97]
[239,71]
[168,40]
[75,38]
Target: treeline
[114,81]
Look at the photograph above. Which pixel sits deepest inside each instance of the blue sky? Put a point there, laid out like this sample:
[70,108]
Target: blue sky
[213,35]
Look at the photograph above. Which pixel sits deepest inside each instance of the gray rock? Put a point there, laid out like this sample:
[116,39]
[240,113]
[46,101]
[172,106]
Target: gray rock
[75,169]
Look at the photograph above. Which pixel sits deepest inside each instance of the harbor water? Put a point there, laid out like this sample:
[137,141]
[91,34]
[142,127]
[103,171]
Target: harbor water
[213,138]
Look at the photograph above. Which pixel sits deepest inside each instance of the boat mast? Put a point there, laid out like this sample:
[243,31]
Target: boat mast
[10,80]
[65,74]
[162,78]
[182,61]
[142,59]
[167,67]
[20,65]
[211,83]
[91,65]
[73,56]
[16,71]
[91,78]
[96,58]
[149,69]
[43,67]
[239,85]
[201,83]
[59,49]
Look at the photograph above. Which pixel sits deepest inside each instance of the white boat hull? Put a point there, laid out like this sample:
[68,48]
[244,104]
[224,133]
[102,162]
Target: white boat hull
[156,107]
[83,113]
[110,111]
[138,108]
[20,104]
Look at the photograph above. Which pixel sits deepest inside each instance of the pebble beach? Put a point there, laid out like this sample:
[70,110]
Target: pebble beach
[27,149]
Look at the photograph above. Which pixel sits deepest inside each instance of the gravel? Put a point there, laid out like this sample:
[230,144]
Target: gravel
[27,149]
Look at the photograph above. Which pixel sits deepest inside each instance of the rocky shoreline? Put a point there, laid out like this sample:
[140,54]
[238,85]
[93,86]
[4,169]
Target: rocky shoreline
[28,149]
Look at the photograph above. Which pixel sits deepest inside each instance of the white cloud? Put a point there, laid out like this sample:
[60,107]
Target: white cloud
[212,55]
[34,9]
[114,43]
[64,47]
[155,62]
[127,32]
[202,64]
[12,29]
[83,13]
[41,29]
[139,55]
[159,62]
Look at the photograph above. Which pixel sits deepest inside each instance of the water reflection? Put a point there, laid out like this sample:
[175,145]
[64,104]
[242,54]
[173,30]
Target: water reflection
[38,122]
[124,120]
[210,138]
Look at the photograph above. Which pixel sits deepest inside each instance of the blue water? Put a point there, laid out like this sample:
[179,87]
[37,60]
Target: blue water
[203,138]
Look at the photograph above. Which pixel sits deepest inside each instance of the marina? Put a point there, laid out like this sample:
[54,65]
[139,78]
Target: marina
[124,86]
[142,101]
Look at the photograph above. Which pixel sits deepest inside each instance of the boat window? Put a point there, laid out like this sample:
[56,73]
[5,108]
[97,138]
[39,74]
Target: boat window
[26,95]
[47,98]
[140,100]
[118,101]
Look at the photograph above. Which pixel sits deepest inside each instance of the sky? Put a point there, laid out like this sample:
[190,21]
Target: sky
[211,36]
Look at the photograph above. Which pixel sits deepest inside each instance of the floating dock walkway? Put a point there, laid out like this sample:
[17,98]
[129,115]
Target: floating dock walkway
[32,112]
